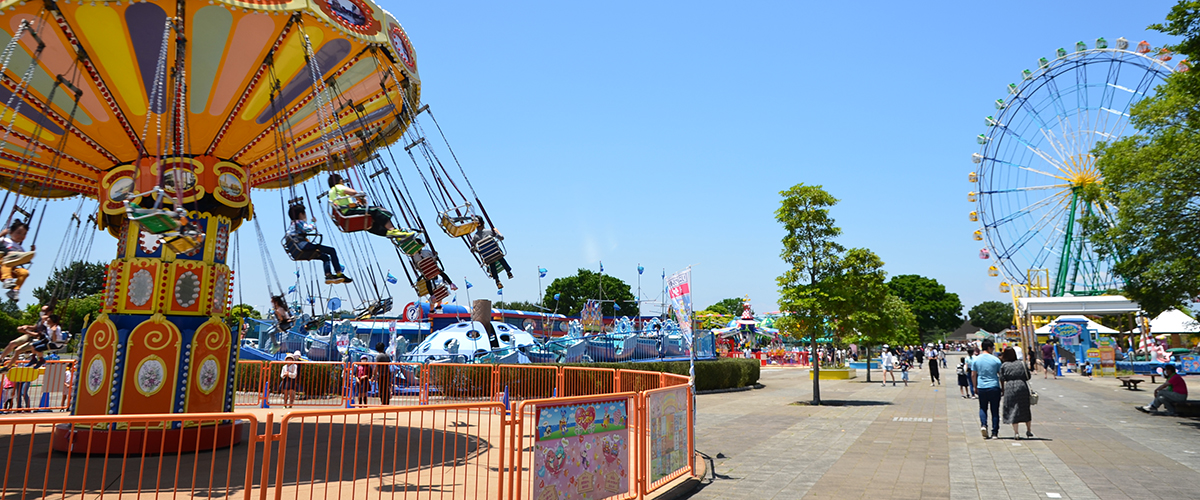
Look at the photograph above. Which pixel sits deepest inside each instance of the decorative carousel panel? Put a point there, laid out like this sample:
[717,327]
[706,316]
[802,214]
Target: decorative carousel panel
[113,281]
[145,244]
[187,284]
[209,360]
[220,238]
[151,367]
[96,366]
[140,282]
[221,287]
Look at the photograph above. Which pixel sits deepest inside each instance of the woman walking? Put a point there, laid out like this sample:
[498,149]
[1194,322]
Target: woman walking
[1013,384]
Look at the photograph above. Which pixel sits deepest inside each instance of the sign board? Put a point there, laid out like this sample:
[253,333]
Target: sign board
[582,450]
[1191,364]
[1108,361]
[1068,333]
[668,431]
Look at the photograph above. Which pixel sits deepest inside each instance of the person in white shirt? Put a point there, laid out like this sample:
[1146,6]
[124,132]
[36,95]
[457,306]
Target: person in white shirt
[934,374]
[889,361]
[288,375]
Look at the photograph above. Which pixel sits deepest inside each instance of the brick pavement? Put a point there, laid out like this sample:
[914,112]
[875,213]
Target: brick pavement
[923,442]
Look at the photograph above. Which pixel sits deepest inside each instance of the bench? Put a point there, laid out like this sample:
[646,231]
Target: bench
[1189,408]
[1130,382]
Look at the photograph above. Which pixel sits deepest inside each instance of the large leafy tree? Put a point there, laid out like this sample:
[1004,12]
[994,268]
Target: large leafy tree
[936,309]
[826,289]
[991,315]
[574,291]
[1153,180]
[517,306]
[75,280]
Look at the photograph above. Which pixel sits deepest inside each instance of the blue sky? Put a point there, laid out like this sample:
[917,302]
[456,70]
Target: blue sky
[661,133]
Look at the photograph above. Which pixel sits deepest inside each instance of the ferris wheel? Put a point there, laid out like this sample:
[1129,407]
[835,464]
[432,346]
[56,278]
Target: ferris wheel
[1036,160]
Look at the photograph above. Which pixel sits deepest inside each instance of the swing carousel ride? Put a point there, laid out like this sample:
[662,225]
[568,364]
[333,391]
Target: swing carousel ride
[167,115]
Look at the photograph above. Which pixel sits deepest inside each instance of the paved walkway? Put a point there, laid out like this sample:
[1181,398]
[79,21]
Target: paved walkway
[923,442]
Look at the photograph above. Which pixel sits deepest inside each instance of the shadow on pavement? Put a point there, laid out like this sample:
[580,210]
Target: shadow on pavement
[844,402]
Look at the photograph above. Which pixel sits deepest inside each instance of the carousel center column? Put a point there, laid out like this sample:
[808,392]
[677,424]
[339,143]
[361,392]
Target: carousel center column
[160,343]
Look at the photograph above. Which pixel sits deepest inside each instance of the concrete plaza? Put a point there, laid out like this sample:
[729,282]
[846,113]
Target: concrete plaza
[924,442]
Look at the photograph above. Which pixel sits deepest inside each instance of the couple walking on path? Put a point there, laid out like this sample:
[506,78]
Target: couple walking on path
[1004,378]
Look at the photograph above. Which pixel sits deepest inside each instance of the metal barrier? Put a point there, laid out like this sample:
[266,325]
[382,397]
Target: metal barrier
[47,388]
[622,444]
[159,460]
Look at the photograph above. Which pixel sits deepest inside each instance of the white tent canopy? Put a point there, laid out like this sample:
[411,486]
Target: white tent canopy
[1054,306]
[1172,321]
[1091,325]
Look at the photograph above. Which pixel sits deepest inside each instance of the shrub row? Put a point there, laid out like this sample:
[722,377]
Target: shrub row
[725,373]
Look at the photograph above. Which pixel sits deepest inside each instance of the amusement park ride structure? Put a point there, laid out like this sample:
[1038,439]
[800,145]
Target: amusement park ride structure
[1036,178]
[169,113]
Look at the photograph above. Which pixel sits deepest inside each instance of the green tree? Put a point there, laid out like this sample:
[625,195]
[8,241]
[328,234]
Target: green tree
[827,289]
[518,306]
[73,313]
[1152,178]
[936,309]
[239,312]
[727,307]
[574,292]
[75,280]
[992,316]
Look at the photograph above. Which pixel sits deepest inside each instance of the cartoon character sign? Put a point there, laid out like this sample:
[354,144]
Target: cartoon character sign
[579,455]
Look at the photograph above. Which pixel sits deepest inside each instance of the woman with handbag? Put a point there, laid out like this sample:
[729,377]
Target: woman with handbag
[1014,385]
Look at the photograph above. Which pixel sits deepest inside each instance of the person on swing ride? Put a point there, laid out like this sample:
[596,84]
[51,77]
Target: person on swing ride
[15,255]
[480,235]
[28,334]
[298,233]
[351,202]
[418,259]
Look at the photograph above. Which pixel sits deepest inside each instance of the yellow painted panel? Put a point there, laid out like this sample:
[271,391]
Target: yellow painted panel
[288,63]
[103,29]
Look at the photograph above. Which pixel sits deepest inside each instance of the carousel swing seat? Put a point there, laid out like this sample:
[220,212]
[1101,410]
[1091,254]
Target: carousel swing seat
[410,245]
[295,253]
[350,223]
[156,220]
[429,268]
[437,294]
[186,241]
[457,225]
[489,249]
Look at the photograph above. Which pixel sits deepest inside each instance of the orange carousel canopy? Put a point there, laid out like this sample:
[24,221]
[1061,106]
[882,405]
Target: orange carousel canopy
[245,101]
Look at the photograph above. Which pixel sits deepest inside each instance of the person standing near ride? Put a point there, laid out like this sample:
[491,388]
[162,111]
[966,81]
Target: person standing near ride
[383,373]
[11,273]
[986,373]
[362,375]
[934,356]
[350,202]
[482,234]
[297,235]
[287,376]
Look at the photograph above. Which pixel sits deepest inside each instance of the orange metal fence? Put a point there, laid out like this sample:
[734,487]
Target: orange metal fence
[159,458]
[475,444]
[47,388]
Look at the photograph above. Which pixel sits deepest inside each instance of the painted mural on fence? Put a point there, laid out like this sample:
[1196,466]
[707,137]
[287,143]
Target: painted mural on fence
[582,451]
[668,431]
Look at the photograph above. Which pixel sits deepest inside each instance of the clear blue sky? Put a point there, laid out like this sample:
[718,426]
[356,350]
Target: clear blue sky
[660,133]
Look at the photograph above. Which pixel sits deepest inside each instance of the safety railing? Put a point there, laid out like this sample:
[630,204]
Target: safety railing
[65,456]
[46,388]
[362,384]
[622,445]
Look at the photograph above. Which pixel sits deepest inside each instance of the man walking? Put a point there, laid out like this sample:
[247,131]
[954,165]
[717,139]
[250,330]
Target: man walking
[986,371]
[1048,360]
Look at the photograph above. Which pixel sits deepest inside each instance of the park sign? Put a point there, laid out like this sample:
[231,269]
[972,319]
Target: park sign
[1068,333]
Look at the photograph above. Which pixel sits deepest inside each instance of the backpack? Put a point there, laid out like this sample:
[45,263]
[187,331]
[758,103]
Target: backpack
[962,369]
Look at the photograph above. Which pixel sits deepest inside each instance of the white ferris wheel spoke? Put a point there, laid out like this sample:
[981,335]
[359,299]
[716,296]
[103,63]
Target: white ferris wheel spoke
[1028,209]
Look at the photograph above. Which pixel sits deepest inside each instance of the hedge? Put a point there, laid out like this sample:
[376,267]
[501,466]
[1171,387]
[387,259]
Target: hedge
[725,373]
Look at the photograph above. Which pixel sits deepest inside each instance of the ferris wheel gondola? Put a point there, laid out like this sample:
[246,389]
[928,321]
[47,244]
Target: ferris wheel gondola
[1036,167]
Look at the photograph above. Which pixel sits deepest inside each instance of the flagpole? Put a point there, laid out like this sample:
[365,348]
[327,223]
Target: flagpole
[541,299]
[467,287]
[639,297]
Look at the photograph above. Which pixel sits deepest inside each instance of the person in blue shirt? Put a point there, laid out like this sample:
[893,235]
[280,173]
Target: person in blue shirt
[298,244]
[985,370]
